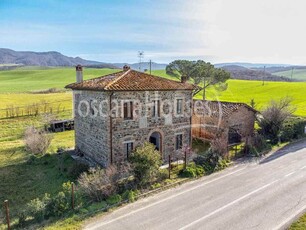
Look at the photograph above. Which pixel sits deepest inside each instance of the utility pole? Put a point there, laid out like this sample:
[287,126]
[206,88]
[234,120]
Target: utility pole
[150,66]
[140,56]
[263,78]
[291,73]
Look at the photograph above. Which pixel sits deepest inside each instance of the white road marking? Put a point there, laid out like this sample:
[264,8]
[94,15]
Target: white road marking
[227,205]
[283,225]
[289,174]
[303,167]
[97,226]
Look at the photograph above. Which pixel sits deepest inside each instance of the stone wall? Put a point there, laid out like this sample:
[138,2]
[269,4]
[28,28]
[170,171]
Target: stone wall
[92,132]
[217,127]
[144,124]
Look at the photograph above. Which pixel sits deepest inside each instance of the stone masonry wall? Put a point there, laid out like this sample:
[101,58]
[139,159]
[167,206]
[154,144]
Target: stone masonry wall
[91,132]
[92,124]
[144,124]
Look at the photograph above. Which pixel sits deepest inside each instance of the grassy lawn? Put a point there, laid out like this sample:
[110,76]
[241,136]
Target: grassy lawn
[22,180]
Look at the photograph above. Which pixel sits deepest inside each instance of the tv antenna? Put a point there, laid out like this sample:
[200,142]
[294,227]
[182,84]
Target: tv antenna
[140,56]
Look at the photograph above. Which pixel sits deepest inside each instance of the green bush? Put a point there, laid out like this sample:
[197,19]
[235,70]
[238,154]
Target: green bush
[156,186]
[130,195]
[145,161]
[60,204]
[208,161]
[114,199]
[192,170]
[22,217]
[222,164]
[97,206]
[163,174]
[38,208]
[292,129]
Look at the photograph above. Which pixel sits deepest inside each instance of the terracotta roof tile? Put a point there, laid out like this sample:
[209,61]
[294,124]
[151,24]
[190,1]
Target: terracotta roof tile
[130,80]
[217,108]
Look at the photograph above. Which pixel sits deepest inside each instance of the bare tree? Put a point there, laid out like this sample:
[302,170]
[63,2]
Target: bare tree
[98,183]
[37,141]
[273,117]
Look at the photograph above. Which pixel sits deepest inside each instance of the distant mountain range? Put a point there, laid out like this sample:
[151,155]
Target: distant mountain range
[52,58]
[10,59]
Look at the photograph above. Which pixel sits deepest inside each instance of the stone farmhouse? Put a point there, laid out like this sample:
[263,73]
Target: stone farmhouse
[229,122]
[115,113]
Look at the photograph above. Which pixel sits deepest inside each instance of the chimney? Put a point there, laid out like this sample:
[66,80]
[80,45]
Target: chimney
[183,79]
[79,73]
[126,68]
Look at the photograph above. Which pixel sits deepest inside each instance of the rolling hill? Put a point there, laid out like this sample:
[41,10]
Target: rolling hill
[13,82]
[243,73]
[52,58]
[297,73]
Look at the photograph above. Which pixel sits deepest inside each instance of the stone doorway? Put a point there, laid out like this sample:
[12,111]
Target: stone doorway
[156,140]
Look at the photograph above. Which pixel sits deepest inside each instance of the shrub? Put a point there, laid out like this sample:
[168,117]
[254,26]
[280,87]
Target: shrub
[208,161]
[192,170]
[188,172]
[60,204]
[222,164]
[38,208]
[156,186]
[37,141]
[292,129]
[274,117]
[97,206]
[98,183]
[22,217]
[130,195]
[145,162]
[114,199]
[163,174]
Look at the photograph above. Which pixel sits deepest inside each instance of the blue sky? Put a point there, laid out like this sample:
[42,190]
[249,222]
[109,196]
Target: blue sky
[113,31]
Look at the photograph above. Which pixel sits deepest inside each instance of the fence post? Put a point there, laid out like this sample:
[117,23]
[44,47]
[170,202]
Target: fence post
[72,195]
[7,213]
[169,167]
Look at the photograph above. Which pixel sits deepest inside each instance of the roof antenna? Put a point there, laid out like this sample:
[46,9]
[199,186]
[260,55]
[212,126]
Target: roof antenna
[140,56]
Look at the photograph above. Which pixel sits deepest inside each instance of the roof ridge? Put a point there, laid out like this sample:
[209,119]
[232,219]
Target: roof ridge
[117,79]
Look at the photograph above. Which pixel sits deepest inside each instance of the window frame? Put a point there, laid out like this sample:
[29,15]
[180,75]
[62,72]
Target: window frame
[128,110]
[179,106]
[128,147]
[156,108]
[178,141]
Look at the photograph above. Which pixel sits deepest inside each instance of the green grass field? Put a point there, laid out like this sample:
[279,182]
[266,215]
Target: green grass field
[244,91]
[298,74]
[21,181]
[29,78]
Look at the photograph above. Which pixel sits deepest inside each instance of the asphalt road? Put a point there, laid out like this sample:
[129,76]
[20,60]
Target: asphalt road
[267,194]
